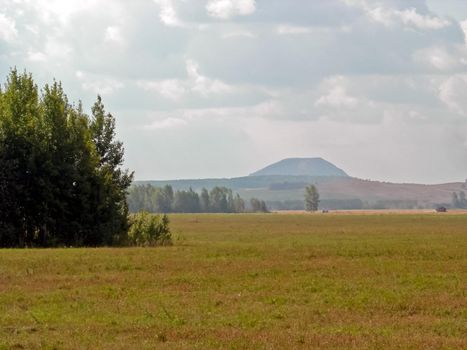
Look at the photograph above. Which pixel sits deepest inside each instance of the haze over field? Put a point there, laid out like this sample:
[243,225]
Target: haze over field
[282,185]
[221,88]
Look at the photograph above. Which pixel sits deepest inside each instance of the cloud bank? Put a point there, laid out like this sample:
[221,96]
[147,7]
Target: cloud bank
[210,88]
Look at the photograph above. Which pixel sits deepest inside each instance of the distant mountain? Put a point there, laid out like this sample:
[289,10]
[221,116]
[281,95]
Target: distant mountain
[282,186]
[301,167]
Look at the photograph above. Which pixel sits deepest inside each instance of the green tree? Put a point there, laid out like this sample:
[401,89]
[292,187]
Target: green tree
[61,181]
[164,199]
[21,153]
[239,204]
[258,206]
[204,201]
[462,200]
[311,198]
[186,202]
[218,199]
[455,200]
[110,206]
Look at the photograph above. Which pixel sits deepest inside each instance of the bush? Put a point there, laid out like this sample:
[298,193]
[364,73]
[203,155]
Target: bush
[148,230]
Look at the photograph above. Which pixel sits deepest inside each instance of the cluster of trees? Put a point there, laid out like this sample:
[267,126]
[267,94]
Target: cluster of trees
[258,206]
[61,180]
[166,200]
[459,200]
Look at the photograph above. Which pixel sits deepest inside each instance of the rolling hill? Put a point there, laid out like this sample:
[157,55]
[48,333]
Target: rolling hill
[301,167]
[282,186]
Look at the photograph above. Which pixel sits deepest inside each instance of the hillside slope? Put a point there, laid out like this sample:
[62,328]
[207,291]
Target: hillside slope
[292,188]
[301,166]
[282,185]
[371,192]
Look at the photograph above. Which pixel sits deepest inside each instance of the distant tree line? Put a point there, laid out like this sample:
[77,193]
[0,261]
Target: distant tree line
[61,176]
[166,200]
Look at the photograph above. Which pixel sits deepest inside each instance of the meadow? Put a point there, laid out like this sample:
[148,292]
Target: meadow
[248,281]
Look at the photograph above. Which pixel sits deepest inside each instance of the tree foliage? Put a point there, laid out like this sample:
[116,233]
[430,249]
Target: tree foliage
[459,200]
[258,206]
[149,230]
[166,200]
[61,176]
[311,198]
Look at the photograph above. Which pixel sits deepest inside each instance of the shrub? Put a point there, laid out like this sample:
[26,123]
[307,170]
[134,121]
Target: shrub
[149,230]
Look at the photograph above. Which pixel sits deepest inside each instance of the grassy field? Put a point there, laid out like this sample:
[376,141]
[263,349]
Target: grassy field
[248,282]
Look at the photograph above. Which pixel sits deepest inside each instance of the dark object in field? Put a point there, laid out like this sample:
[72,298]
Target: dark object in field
[325,211]
[441,210]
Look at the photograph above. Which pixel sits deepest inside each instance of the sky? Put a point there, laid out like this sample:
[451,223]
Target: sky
[221,88]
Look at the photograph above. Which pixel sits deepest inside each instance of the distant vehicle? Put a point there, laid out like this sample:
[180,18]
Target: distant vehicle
[441,210]
[324,211]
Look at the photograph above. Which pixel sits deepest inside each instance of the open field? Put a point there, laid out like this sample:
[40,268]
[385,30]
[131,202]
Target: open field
[249,282]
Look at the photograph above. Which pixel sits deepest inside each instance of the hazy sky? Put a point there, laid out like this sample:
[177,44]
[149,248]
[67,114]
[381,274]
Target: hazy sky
[211,88]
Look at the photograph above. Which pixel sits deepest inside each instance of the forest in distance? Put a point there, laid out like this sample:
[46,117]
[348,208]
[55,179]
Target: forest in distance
[166,200]
[220,199]
[217,200]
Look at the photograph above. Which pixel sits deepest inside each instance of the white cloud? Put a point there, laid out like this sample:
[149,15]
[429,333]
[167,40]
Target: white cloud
[411,16]
[453,93]
[8,30]
[204,85]
[168,123]
[415,78]
[97,84]
[390,17]
[114,35]
[337,97]
[225,9]
[36,56]
[172,89]
[290,29]
[265,109]
[102,87]
[167,14]
[175,89]
[56,51]
[60,10]
[34,29]
[380,15]
[239,34]
[437,57]
[464,29]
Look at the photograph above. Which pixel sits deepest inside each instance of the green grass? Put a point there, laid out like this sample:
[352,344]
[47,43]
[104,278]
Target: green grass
[248,282]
